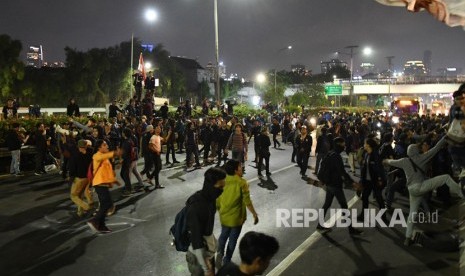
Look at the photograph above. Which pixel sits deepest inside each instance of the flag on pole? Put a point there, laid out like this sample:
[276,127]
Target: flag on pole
[141,66]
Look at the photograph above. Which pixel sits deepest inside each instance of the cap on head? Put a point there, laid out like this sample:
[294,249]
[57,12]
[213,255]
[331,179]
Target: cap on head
[82,143]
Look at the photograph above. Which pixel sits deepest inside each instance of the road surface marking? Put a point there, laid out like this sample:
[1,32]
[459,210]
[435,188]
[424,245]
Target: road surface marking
[291,258]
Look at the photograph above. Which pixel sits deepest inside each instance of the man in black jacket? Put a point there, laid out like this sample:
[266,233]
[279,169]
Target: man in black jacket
[201,209]
[335,184]
[264,143]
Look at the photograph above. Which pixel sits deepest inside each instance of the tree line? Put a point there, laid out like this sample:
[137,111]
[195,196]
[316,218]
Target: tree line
[96,76]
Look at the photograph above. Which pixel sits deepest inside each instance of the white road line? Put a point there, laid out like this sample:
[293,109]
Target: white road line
[291,258]
[273,172]
[129,218]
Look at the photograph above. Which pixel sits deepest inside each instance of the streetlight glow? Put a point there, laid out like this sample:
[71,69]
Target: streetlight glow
[151,15]
[148,65]
[367,51]
[261,78]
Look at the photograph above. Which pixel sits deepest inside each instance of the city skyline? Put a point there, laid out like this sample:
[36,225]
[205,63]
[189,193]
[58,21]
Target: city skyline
[251,33]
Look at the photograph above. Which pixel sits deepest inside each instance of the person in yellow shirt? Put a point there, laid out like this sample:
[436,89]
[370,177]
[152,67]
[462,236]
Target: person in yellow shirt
[231,206]
[104,178]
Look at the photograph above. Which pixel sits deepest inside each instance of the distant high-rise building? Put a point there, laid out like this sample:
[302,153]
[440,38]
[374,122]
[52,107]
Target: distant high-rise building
[35,56]
[326,66]
[222,70]
[298,68]
[414,68]
[367,68]
[427,61]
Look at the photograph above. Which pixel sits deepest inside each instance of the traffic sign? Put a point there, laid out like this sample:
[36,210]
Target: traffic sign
[333,90]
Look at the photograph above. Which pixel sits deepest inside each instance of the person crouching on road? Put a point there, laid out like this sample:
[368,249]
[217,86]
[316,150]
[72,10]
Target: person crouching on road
[104,178]
[200,219]
[231,206]
[78,165]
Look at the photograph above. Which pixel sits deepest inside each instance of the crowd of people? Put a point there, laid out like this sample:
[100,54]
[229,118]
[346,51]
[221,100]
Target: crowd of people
[391,157]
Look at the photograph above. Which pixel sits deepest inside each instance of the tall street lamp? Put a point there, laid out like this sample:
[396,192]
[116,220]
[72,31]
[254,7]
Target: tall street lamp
[366,51]
[150,15]
[217,54]
[279,51]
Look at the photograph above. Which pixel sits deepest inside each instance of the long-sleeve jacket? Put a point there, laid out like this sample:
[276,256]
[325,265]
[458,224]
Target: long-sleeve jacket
[304,144]
[104,174]
[238,142]
[339,174]
[372,168]
[79,163]
[200,218]
[263,143]
[232,203]
[414,175]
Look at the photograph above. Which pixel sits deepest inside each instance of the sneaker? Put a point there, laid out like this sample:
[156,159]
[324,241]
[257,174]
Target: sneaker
[104,230]
[159,186]
[408,241]
[19,174]
[37,173]
[322,229]
[268,173]
[126,193]
[354,231]
[198,166]
[260,175]
[462,173]
[176,162]
[111,211]
[218,260]
[93,226]
[168,163]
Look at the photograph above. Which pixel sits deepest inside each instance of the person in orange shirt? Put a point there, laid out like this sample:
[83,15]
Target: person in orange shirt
[104,178]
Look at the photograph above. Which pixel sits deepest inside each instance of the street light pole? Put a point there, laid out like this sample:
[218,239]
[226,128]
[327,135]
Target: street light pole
[132,64]
[279,51]
[217,75]
[351,91]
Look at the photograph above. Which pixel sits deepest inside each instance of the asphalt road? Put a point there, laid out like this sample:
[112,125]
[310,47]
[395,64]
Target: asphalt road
[39,236]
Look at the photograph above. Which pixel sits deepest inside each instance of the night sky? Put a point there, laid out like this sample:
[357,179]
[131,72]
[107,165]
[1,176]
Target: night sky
[250,31]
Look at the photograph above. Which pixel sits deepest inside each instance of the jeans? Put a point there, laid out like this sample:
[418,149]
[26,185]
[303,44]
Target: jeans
[266,156]
[231,234]
[124,173]
[104,198]
[418,190]
[275,141]
[15,159]
[156,172]
[192,149]
[133,169]
[80,187]
[369,186]
[303,158]
[170,149]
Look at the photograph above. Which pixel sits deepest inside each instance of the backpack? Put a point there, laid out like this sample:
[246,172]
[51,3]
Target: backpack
[134,152]
[90,171]
[178,230]
[324,171]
